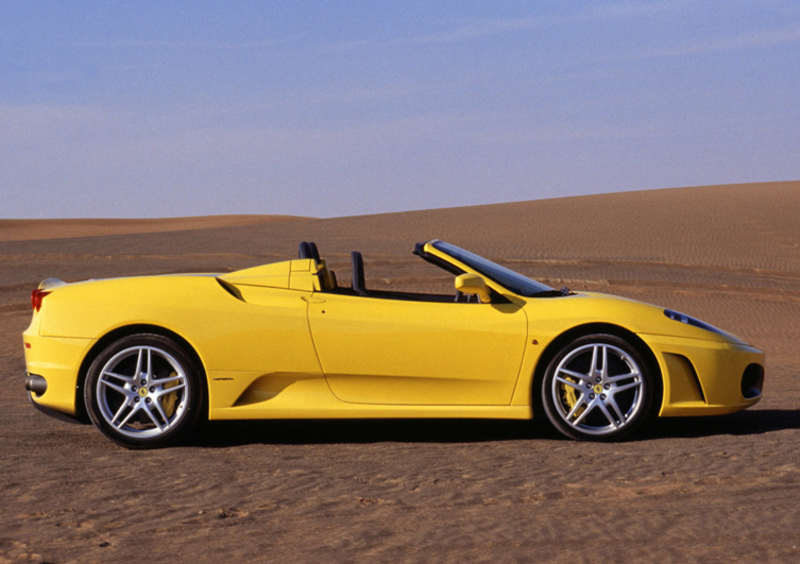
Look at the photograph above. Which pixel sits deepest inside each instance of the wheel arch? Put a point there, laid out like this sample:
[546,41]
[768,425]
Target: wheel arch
[125,331]
[569,335]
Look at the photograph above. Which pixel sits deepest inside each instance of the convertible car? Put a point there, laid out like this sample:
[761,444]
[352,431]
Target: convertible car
[148,358]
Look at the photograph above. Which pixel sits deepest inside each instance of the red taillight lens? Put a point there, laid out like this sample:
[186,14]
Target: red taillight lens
[36,298]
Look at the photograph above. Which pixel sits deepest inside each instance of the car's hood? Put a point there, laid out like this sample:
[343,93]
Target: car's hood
[636,316]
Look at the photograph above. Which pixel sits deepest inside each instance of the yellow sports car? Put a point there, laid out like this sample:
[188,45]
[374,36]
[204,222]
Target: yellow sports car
[147,358]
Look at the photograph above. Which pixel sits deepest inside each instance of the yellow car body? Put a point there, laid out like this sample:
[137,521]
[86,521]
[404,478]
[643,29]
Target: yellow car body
[283,341]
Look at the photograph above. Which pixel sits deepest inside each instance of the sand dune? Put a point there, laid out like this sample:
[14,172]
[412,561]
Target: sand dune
[37,229]
[706,490]
[745,226]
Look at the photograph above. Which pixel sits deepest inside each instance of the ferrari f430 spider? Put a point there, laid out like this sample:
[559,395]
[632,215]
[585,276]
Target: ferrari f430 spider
[147,358]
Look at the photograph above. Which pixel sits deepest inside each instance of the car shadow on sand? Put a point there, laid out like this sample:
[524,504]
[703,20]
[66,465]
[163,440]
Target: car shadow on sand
[222,434]
[752,422]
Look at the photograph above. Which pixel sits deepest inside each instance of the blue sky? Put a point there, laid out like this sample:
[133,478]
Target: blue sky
[157,109]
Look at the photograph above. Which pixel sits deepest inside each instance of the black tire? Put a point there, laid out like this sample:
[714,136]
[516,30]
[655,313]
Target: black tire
[597,387]
[144,391]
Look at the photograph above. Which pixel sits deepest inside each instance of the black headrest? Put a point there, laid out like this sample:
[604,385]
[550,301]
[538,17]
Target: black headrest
[304,252]
[359,284]
[308,250]
[314,251]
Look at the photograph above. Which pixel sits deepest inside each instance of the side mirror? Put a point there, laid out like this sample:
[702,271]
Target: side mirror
[473,284]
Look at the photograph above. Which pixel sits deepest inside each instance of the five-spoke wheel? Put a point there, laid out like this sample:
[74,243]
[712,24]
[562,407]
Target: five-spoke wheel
[143,391]
[597,387]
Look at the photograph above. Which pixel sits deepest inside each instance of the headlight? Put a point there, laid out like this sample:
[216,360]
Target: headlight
[688,320]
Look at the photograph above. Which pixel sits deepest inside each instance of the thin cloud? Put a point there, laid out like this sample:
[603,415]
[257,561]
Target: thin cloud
[188,45]
[492,27]
[480,29]
[738,42]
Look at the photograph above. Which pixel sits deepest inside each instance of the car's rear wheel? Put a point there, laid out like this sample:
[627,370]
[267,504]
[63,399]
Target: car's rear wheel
[597,387]
[144,391]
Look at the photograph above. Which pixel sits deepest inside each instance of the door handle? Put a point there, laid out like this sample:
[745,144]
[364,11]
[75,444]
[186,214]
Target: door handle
[313,299]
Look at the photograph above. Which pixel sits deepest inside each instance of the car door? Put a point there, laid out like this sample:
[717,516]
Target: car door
[392,351]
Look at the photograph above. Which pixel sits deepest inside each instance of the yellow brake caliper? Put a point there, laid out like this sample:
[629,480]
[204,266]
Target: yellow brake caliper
[168,400]
[569,397]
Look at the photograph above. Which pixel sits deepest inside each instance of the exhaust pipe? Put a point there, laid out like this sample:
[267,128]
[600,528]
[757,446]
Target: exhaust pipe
[36,384]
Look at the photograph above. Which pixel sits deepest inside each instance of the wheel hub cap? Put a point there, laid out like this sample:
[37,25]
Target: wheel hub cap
[597,389]
[141,392]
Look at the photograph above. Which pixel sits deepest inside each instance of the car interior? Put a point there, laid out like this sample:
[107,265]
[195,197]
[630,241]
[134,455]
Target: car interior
[328,283]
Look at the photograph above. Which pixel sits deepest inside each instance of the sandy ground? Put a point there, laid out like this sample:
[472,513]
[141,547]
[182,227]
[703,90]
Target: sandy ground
[37,229]
[692,490]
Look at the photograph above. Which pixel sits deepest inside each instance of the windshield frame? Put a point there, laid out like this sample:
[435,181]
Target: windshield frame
[505,277]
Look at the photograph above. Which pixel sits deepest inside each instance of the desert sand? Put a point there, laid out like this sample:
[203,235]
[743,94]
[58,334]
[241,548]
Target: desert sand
[37,229]
[722,489]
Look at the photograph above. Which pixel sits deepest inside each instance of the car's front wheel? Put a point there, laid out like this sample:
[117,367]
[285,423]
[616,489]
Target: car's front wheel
[144,391]
[597,387]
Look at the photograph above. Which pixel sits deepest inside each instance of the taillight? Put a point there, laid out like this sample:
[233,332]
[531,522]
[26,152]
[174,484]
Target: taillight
[36,298]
